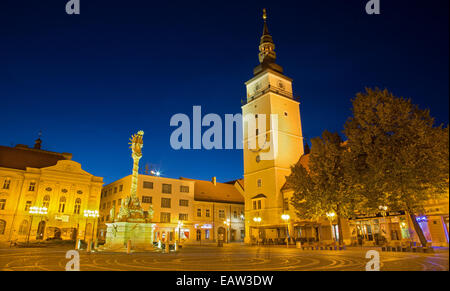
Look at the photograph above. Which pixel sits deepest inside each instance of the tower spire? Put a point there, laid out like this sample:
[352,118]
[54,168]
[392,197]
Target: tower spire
[266,46]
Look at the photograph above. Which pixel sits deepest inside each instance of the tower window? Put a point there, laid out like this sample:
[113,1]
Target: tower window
[259,183]
[32,186]
[6,184]
[285,113]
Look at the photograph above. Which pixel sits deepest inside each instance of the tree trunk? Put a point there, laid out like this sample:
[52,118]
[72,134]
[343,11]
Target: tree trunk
[341,235]
[418,229]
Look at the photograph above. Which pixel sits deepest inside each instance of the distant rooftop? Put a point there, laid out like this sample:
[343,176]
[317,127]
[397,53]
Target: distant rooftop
[212,191]
[21,156]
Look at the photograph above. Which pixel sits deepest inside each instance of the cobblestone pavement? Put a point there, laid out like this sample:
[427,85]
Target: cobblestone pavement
[211,258]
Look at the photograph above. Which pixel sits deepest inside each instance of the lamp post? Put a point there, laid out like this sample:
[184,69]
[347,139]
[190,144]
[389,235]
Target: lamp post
[227,223]
[258,220]
[286,217]
[34,211]
[180,224]
[90,214]
[383,211]
[330,216]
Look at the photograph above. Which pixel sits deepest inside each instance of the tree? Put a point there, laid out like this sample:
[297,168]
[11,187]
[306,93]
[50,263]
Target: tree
[323,185]
[400,156]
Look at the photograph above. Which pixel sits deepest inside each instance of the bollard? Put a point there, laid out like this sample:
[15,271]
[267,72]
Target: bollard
[77,244]
[129,246]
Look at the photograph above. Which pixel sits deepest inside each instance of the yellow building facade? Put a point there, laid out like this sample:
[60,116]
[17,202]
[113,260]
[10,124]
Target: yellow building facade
[32,178]
[269,93]
[184,210]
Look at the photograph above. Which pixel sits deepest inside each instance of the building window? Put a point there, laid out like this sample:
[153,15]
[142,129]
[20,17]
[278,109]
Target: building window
[206,233]
[207,212]
[119,202]
[6,184]
[254,204]
[46,201]
[115,190]
[147,199]
[199,234]
[184,189]
[2,204]
[165,217]
[32,186]
[147,185]
[286,204]
[167,188]
[184,202]
[120,188]
[165,202]
[108,204]
[199,212]
[235,214]
[62,204]
[259,204]
[23,229]
[2,226]
[77,207]
[259,182]
[27,206]
[183,216]
[221,213]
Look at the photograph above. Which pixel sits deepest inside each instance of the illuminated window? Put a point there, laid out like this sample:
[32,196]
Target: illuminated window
[206,233]
[259,182]
[199,212]
[77,207]
[2,204]
[32,186]
[221,213]
[165,217]
[147,185]
[167,188]
[6,184]
[165,202]
[199,234]
[147,199]
[46,201]
[184,189]
[259,204]
[120,188]
[254,204]
[62,204]
[115,190]
[183,216]
[184,202]
[207,212]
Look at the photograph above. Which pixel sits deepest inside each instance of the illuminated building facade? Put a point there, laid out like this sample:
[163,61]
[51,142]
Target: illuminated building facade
[186,210]
[32,178]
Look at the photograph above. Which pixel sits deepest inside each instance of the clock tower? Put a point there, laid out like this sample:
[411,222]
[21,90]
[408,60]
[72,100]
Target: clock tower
[269,101]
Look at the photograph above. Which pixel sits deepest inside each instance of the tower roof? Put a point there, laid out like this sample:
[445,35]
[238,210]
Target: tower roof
[267,55]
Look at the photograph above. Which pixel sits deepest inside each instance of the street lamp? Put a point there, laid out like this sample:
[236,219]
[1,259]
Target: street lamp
[227,223]
[286,217]
[35,211]
[330,216]
[258,220]
[180,224]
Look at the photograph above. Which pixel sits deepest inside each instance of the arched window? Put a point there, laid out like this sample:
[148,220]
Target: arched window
[46,201]
[23,229]
[62,204]
[76,209]
[2,226]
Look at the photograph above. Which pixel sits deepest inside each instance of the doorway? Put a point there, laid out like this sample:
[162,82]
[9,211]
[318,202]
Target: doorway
[40,230]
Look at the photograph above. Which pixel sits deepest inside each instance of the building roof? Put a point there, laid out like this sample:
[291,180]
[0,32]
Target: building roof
[218,192]
[21,156]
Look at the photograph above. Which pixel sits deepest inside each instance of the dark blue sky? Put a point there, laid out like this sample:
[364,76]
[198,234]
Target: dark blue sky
[89,81]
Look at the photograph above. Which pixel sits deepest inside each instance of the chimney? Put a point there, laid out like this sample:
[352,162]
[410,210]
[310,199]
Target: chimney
[37,144]
[214,181]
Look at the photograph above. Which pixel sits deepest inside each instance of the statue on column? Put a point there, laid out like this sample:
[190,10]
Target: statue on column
[130,209]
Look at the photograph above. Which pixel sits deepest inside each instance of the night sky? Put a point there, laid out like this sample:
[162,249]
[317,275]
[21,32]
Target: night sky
[89,81]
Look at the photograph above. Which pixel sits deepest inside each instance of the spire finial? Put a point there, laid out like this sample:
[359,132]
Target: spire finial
[264,14]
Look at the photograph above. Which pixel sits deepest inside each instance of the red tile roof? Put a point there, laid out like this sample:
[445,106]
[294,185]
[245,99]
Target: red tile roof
[221,192]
